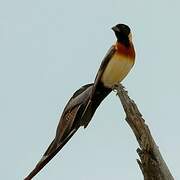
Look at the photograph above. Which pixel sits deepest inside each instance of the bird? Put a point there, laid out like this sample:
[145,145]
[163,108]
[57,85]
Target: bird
[81,107]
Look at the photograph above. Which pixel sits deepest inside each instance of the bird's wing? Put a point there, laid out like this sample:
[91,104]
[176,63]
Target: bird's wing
[68,125]
[97,97]
[103,65]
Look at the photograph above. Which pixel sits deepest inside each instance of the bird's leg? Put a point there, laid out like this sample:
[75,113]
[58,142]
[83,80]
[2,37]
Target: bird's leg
[115,86]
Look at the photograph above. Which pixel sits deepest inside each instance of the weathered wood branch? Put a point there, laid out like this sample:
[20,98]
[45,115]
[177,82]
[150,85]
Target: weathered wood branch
[151,161]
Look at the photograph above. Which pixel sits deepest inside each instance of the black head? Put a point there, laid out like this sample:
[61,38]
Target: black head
[122,33]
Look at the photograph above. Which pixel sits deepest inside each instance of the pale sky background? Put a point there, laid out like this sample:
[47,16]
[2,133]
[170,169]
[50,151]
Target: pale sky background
[48,49]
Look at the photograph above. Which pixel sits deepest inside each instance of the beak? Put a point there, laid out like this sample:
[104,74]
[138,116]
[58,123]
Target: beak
[115,29]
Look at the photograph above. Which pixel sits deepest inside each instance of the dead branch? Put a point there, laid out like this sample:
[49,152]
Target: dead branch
[151,161]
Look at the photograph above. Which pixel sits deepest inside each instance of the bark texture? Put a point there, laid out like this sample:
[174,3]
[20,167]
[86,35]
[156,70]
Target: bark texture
[151,161]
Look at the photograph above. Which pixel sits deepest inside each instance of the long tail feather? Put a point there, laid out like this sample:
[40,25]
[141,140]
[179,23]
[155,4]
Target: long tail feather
[47,158]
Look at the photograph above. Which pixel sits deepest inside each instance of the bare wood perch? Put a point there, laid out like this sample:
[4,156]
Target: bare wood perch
[151,161]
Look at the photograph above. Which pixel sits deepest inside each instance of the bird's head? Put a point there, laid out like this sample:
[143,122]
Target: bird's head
[123,34]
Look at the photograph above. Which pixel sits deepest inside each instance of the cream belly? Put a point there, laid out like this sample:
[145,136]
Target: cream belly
[116,70]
